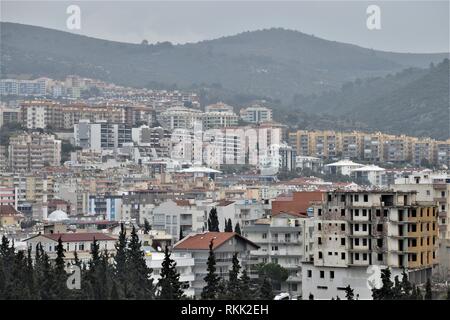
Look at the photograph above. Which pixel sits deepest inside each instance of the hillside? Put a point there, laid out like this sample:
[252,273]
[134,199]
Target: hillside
[274,63]
[414,102]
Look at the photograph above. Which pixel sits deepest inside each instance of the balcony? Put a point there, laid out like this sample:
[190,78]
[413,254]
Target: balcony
[442,214]
[439,186]
[440,199]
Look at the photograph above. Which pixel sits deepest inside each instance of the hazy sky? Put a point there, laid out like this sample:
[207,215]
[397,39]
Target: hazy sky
[406,26]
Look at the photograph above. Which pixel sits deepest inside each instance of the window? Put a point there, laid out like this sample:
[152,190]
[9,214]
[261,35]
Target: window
[342,212]
[264,235]
[319,212]
[356,256]
[379,243]
[330,253]
[366,198]
[380,257]
[319,240]
[364,213]
[356,212]
[319,226]
[343,255]
[322,274]
[364,256]
[331,274]
[379,227]
[320,255]
[342,241]
[342,226]
[356,227]
[356,242]
[309,273]
[356,197]
[378,212]
[364,227]
[364,242]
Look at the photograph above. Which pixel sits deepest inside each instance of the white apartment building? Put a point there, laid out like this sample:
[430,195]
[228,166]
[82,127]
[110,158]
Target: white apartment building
[225,245]
[33,151]
[282,239]
[175,215]
[256,114]
[180,118]
[101,135]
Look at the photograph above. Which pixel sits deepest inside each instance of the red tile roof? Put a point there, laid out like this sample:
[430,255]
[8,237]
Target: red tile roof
[8,210]
[201,241]
[82,236]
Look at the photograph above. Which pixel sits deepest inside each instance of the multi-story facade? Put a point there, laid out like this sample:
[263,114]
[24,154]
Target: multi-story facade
[256,114]
[33,151]
[282,239]
[225,245]
[371,147]
[36,87]
[357,233]
[101,135]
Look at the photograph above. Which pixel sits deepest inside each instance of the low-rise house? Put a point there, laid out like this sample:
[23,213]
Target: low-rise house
[225,245]
[79,242]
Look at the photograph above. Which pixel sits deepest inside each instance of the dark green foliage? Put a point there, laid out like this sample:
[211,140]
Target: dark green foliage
[428,293]
[169,282]
[311,296]
[234,285]
[386,291]
[210,290]
[246,288]
[147,226]
[237,228]
[266,289]
[349,293]
[213,220]
[228,225]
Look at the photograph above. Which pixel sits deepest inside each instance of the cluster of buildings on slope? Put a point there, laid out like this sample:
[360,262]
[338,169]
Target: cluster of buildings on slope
[370,147]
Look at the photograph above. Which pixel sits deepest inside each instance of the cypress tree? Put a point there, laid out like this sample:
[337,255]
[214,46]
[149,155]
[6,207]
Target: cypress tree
[349,293]
[406,285]
[233,285]
[60,273]
[181,234]
[246,291]
[120,262]
[209,291]
[266,290]
[386,291]
[140,281]
[237,228]
[169,282]
[213,221]
[428,293]
[147,226]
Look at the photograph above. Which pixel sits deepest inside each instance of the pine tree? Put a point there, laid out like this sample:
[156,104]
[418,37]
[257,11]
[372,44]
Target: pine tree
[349,293]
[60,273]
[228,225]
[246,292]
[181,234]
[213,221]
[266,290]
[169,282]
[147,226]
[209,291]
[311,296]
[386,291]
[225,225]
[120,262]
[406,285]
[233,285]
[237,228]
[397,289]
[428,293]
[140,281]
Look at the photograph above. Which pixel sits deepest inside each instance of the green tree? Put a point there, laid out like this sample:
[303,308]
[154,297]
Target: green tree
[237,228]
[273,271]
[428,293]
[120,269]
[233,284]
[140,281]
[209,291]
[213,221]
[349,293]
[266,289]
[169,282]
[386,291]
[228,226]
[246,290]
[147,226]
[406,285]
[60,273]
